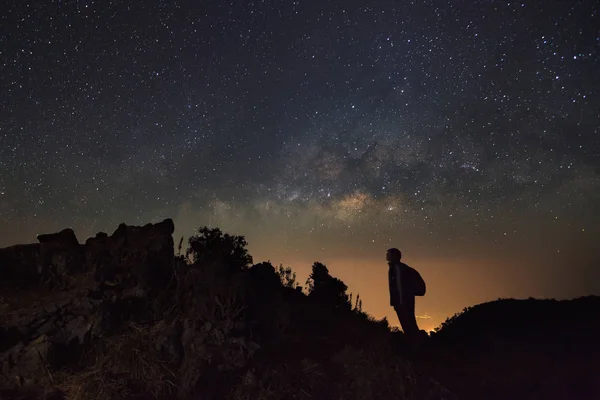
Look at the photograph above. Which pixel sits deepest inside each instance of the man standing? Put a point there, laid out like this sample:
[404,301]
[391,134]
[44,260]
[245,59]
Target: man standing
[405,283]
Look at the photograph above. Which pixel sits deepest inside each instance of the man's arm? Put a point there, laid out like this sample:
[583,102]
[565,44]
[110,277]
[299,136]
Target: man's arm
[391,285]
[398,282]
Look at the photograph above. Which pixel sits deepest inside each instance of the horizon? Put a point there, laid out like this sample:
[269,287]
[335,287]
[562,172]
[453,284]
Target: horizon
[320,131]
[366,274]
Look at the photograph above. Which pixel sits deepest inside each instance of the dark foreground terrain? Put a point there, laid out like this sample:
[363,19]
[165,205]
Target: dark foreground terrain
[123,317]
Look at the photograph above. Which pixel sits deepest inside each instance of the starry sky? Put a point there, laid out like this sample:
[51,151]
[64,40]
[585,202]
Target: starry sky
[465,133]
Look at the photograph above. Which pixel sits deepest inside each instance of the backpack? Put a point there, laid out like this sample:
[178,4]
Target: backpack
[417,283]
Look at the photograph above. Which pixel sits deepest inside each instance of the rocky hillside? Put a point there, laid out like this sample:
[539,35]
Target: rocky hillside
[124,317]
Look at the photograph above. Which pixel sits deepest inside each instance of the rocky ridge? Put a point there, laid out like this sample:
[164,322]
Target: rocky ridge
[59,295]
[122,317]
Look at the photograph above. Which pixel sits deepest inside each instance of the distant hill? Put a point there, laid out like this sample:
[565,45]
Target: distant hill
[531,320]
[533,348]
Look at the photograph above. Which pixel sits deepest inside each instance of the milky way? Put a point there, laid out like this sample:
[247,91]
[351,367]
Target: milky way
[318,129]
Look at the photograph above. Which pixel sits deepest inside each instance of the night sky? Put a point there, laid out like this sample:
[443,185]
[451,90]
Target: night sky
[465,133]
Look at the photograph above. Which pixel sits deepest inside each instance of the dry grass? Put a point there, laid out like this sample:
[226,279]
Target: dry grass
[369,374]
[200,294]
[120,367]
[301,380]
[211,311]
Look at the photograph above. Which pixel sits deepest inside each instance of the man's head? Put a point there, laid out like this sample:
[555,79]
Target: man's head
[393,255]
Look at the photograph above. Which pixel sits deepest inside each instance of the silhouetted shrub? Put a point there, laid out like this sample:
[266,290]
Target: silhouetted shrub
[213,247]
[264,274]
[287,276]
[326,289]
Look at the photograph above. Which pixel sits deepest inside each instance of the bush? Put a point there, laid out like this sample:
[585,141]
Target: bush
[213,247]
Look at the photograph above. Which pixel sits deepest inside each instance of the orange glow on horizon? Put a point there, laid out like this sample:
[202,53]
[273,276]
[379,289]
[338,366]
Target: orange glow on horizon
[452,285]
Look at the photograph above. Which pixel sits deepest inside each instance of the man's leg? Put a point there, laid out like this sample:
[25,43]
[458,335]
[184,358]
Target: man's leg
[398,310]
[406,315]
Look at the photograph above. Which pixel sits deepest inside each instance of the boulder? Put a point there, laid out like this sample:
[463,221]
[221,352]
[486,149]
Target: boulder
[133,256]
[19,266]
[24,365]
[49,262]
[61,257]
[65,238]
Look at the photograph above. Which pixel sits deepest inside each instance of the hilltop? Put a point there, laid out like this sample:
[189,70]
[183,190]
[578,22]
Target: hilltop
[530,349]
[122,316]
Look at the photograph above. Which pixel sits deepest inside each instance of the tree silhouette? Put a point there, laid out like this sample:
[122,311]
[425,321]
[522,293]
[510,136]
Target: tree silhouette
[179,255]
[326,289]
[357,304]
[287,276]
[211,246]
[265,275]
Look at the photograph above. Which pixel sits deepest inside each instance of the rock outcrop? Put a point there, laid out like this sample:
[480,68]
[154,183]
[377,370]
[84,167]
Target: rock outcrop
[57,296]
[131,252]
[20,266]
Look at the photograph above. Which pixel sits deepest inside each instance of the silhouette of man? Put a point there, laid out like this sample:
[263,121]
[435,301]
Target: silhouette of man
[402,280]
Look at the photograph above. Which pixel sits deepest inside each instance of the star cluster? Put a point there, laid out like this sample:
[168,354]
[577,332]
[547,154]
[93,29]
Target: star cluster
[328,129]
